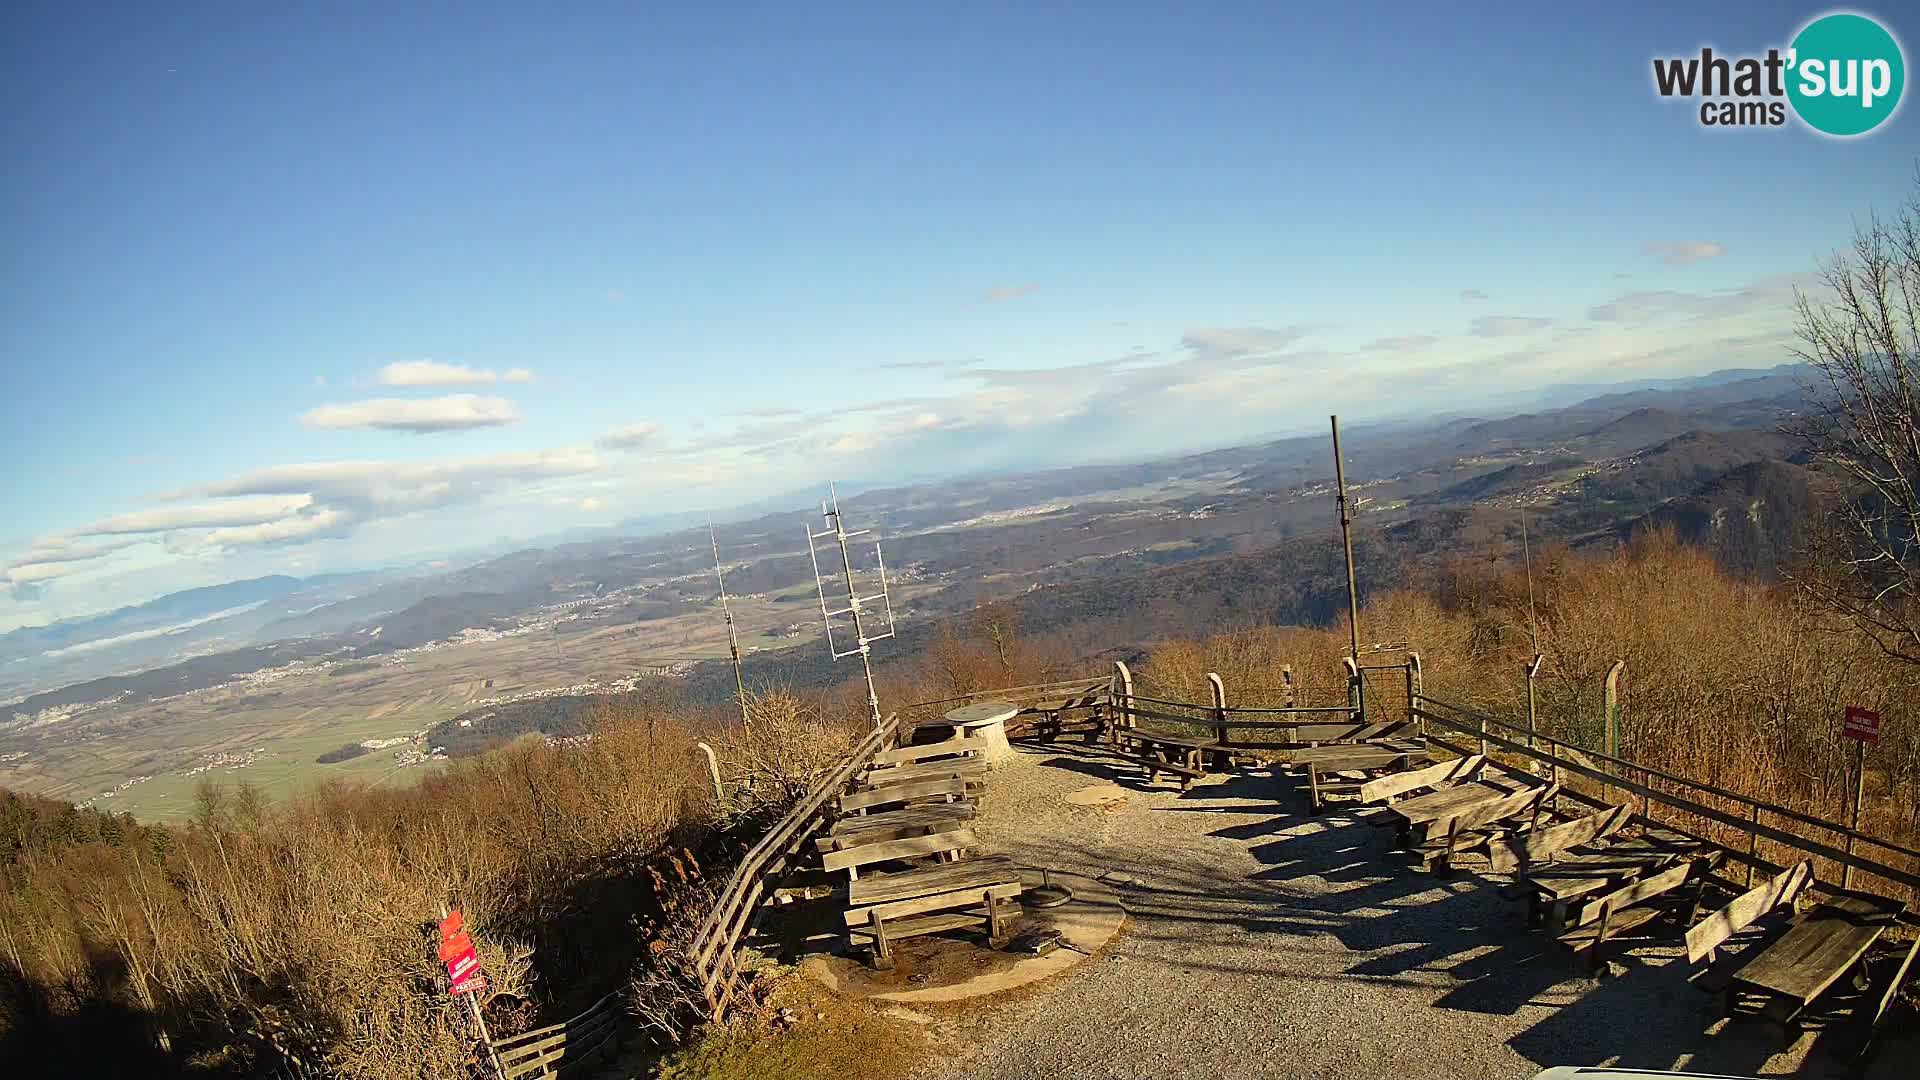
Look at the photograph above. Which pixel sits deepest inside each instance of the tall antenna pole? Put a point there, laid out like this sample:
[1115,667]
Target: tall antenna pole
[733,636]
[1526,553]
[1346,538]
[855,602]
[1353,589]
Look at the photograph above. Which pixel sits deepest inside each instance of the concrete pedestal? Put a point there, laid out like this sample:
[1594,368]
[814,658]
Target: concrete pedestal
[987,721]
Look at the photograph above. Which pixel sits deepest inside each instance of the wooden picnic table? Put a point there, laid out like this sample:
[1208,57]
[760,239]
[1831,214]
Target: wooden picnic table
[1339,757]
[1812,955]
[1325,761]
[972,768]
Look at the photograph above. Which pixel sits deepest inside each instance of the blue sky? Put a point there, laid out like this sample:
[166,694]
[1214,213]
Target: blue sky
[295,292]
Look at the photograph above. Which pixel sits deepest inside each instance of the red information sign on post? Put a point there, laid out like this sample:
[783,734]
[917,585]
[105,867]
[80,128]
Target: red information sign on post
[1862,724]
[456,951]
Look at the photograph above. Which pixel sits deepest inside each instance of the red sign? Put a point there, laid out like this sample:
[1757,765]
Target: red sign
[1862,724]
[456,950]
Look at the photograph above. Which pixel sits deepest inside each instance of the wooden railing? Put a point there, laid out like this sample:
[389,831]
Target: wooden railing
[558,1049]
[716,946]
[1688,801]
[1066,698]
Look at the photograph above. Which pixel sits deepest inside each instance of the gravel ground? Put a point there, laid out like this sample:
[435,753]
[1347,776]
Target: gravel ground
[1264,942]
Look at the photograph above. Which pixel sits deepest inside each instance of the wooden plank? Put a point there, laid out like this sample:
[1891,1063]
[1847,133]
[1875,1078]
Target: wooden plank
[969,873]
[895,825]
[1541,845]
[1587,935]
[1359,759]
[908,755]
[1780,889]
[1892,991]
[953,787]
[1307,755]
[1162,739]
[1645,889]
[906,848]
[930,770]
[925,924]
[1459,770]
[1818,950]
[997,888]
[1447,803]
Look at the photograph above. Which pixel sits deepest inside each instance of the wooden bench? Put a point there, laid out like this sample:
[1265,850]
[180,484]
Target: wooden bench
[1482,824]
[1325,762]
[1779,895]
[947,789]
[970,768]
[1522,854]
[1627,908]
[1417,818]
[895,824]
[1821,946]
[933,751]
[1049,723]
[1158,753]
[970,892]
[1554,889]
[1385,789]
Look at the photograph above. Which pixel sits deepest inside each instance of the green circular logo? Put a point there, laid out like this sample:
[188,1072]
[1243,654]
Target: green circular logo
[1845,75]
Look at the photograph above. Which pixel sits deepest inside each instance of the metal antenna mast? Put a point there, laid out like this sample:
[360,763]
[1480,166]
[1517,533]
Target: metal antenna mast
[1346,538]
[733,636]
[855,602]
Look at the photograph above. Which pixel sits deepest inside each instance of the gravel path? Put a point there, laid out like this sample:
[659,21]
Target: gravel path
[1264,942]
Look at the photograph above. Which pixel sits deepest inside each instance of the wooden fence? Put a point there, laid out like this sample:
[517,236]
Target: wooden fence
[560,1049]
[1729,821]
[1061,700]
[716,946]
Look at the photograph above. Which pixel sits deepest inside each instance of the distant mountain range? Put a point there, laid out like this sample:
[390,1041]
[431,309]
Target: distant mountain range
[1687,432]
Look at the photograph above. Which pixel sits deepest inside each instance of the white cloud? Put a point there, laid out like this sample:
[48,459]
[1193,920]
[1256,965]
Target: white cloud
[454,412]
[1773,294]
[1406,343]
[1000,294]
[434,373]
[591,504]
[630,436]
[1472,294]
[1682,252]
[232,512]
[1494,326]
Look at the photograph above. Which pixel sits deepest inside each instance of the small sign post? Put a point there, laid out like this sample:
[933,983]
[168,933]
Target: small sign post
[464,978]
[1862,725]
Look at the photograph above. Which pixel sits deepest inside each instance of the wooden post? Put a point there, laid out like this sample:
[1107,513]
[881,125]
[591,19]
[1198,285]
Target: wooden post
[1286,687]
[1613,707]
[1414,690]
[1219,707]
[1123,688]
[1355,701]
[1483,736]
[713,771]
[1533,704]
[1753,844]
[1859,791]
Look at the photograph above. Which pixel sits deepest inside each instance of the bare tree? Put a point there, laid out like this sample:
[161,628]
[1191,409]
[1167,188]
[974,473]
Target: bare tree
[1862,339]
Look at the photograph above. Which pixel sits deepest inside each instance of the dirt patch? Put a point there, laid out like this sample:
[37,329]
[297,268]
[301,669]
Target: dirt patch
[829,1035]
[1096,795]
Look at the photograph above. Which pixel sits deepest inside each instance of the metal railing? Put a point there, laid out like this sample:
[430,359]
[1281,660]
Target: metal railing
[1685,797]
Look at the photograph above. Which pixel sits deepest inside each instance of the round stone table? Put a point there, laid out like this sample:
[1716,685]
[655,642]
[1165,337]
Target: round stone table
[986,720]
